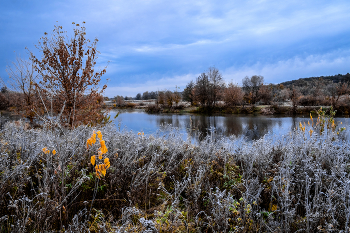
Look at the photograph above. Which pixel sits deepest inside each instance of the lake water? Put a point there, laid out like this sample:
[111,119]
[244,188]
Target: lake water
[197,127]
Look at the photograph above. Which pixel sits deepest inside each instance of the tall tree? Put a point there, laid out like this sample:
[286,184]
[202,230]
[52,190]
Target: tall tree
[145,95]
[294,96]
[187,94]
[337,90]
[252,85]
[68,76]
[209,86]
[201,90]
[216,85]
[265,93]
[233,95]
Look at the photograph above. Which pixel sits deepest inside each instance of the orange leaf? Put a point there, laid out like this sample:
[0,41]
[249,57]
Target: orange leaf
[93,159]
[99,135]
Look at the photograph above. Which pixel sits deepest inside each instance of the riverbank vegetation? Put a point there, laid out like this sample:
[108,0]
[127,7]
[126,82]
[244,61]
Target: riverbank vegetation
[209,94]
[101,180]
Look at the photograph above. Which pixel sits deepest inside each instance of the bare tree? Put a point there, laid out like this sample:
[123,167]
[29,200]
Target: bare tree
[145,95]
[169,98]
[161,98]
[188,93]
[209,86]
[233,95]
[216,85]
[337,90]
[22,78]
[120,100]
[265,94]
[294,95]
[252,85]
[201,90]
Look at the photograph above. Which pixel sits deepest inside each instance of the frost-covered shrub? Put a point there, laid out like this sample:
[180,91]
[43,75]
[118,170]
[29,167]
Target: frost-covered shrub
[161,183]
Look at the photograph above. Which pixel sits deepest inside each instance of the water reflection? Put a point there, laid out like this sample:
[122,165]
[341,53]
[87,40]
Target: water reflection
[198,127]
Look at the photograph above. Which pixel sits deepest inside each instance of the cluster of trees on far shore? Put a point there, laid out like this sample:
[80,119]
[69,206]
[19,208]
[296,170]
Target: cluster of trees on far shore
[209,90]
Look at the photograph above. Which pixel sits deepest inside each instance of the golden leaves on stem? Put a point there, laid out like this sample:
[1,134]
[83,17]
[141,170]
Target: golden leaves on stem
[47,151]
[101,164]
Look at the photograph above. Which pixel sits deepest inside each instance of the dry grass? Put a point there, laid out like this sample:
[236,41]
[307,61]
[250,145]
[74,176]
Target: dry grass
[298,183]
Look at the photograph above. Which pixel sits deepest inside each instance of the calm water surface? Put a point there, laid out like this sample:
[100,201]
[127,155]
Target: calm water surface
[199,126]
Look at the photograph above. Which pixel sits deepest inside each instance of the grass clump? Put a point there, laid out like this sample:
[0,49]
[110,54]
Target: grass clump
[50,181]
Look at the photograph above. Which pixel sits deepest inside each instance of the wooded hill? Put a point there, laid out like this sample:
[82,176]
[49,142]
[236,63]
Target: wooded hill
[338,78]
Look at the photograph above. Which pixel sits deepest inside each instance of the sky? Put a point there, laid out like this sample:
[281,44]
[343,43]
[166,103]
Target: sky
[150,45]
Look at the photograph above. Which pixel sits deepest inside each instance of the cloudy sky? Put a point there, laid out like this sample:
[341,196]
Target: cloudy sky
[156,44]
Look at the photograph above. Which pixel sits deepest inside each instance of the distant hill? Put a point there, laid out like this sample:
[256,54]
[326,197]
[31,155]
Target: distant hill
[326,79]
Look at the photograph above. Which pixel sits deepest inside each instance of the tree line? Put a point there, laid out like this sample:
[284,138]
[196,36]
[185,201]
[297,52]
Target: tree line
[209,91]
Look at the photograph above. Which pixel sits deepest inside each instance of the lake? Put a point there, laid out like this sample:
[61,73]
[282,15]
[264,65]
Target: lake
[196,127]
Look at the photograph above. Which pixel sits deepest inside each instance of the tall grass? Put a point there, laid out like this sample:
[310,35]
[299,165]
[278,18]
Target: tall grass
[298,183]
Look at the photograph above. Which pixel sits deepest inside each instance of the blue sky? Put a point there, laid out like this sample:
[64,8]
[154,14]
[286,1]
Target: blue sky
[156,45]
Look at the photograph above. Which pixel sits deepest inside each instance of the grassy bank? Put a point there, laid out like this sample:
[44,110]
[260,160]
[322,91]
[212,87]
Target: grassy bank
[265,110]
[48,182]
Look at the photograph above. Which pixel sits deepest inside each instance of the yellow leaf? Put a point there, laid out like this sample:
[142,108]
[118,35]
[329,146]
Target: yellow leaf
[97,174]
[45,150]
[103,171]
[93,159]
[99,135]
[273,207]
[107,163]
[88,143]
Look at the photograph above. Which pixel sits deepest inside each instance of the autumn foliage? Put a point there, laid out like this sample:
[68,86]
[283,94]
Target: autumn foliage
[69,81]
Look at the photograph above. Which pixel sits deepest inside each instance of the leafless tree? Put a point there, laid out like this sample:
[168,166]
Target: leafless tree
[201,89]
[265,93]
[216,85]
[336,90]
[22,78]
[294,96]
[209,87]
[188,92]
[252,85]
[233,95]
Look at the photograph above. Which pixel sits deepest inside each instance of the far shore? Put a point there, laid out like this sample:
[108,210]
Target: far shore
[183,107]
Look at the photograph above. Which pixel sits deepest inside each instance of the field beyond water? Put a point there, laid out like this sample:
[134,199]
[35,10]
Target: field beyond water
[102,180]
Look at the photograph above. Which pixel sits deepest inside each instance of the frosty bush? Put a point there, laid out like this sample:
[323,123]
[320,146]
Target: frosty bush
[165,184]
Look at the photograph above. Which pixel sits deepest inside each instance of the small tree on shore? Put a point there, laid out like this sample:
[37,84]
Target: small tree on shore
[251,86]
[68,76]
[188,93]
[294,96]
[233,95]
[337,90]
[208,88]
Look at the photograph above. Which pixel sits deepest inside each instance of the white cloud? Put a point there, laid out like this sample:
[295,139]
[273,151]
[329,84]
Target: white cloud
[294,68]
[285,70]
[166,83]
